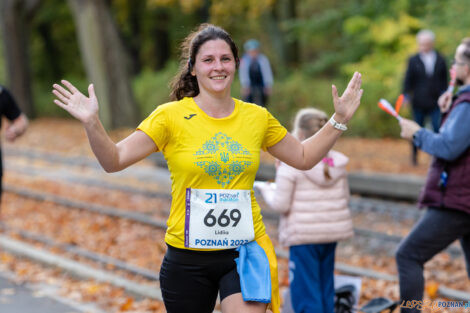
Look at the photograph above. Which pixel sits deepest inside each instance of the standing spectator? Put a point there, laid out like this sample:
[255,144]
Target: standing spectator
[315,215]
[18,121]
[447,190]
[256,76]
[425,81]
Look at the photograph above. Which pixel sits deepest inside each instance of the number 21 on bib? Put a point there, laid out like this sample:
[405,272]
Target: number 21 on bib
[218,218]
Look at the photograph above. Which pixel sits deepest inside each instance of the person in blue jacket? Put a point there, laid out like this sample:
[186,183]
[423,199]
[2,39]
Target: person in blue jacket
[255,73]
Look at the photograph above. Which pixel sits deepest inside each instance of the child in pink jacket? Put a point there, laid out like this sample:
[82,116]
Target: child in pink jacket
[315,215]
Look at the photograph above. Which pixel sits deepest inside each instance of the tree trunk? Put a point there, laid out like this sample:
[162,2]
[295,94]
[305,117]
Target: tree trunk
[204,11]
[52,54]
[272,21]
[293,45]
[161,37]
[14,16]
[288,51]
[106,62]
[133,39]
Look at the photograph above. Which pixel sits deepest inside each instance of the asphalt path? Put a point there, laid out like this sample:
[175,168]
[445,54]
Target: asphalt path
[23,298]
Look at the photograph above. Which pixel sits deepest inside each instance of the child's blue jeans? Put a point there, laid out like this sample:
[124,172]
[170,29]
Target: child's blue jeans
[311,270]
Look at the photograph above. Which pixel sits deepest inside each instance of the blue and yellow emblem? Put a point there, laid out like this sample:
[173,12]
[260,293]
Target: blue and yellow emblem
[223,158]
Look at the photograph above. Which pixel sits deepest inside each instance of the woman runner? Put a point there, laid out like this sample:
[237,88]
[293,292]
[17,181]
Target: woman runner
[212,144]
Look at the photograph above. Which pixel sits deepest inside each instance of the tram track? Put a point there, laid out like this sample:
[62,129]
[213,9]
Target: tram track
[75,173]
[135,287]
[399,211]
[102,260]
[358,206]
[128,214]
[376,206]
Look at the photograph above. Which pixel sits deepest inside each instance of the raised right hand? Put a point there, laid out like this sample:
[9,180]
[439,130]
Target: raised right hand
[83,108]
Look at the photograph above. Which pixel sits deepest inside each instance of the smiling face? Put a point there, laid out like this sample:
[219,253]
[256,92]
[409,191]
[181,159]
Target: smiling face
[214,67]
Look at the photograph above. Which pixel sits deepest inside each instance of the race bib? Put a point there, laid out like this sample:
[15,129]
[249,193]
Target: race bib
[218,218]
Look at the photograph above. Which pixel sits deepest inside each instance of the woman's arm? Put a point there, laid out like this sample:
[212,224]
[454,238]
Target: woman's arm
[112,157]
[116,157]
[304,155]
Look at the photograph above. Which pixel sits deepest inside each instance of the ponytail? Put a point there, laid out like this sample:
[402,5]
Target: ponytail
[326,170]
[184,84]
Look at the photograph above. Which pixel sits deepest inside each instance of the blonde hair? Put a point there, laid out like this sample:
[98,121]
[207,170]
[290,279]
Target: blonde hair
[466,52]
[307,122]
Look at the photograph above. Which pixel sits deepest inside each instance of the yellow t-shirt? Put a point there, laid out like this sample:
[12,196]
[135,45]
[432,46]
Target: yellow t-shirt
[210,153]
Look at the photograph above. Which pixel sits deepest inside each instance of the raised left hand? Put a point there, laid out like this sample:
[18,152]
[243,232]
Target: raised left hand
[347,104]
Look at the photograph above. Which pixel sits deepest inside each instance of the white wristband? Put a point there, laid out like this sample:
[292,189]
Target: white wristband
[337,125]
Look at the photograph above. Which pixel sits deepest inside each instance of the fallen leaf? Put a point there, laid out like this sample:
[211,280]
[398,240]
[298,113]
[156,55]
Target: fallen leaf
[127,305]
[431,289]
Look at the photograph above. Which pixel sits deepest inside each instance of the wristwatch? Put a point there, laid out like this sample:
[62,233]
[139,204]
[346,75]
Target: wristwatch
[337,125]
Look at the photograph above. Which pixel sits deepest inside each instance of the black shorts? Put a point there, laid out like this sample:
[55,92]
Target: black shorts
[190,280]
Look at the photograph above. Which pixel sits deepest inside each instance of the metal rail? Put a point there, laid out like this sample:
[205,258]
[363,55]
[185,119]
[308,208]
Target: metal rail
[269,216]
[96,257]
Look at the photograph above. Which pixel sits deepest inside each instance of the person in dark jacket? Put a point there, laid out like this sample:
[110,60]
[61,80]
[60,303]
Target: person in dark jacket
[256,77]
[447,190]
[17,121]
[425,81]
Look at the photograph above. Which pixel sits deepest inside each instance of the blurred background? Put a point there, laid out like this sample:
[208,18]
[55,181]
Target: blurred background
[130,50]
[57,197]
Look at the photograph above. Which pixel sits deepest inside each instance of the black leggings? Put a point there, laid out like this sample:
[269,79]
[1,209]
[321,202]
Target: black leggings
[190,280]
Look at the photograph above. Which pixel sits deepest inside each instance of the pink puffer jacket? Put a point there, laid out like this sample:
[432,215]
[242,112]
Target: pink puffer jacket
[314,209]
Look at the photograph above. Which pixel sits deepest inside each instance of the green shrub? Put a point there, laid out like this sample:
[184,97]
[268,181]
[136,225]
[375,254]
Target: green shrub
[300,90]
[44,99]
[152,88]
[297,91]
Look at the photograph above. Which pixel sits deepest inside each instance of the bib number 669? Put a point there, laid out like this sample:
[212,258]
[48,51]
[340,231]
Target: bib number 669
[223,220]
